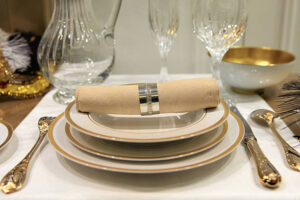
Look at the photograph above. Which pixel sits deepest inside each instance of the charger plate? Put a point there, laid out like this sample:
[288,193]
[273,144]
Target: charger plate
[62,145]
[5,133]
[147,129]
[145,151]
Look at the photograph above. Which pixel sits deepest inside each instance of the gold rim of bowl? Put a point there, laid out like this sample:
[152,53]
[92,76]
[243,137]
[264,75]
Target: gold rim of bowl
[258,56]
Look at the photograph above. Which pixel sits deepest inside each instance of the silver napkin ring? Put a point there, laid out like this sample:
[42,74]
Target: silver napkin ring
[149,101]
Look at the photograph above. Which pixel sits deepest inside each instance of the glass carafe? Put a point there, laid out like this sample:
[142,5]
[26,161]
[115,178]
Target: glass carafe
[75,50]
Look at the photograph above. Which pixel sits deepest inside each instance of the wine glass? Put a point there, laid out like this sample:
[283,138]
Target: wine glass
[219,24]
[164,22]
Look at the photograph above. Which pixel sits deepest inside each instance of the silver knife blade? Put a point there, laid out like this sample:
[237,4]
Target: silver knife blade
[248,130]
[267,173]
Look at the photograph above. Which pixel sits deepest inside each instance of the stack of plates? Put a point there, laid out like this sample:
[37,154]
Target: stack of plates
[146,144]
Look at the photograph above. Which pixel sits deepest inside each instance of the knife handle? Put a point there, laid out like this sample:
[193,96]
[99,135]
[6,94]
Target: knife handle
[267,173]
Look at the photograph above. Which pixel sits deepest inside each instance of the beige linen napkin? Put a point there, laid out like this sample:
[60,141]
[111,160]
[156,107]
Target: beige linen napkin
[174,96]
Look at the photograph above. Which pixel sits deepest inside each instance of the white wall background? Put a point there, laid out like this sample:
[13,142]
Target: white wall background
[273,23]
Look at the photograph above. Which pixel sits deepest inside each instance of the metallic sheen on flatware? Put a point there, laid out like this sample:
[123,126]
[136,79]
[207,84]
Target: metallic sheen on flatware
[267,117]
[14,179]
[268,174]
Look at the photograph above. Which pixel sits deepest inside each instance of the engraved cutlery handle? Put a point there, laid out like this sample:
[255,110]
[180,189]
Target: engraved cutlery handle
[268,174]
[15,178]
[292,156]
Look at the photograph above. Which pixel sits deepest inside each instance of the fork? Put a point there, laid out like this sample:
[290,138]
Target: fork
[14,179]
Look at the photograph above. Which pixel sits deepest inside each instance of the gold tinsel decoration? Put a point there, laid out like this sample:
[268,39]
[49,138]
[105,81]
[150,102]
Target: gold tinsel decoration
[36,87]
[5,73]
[20,86]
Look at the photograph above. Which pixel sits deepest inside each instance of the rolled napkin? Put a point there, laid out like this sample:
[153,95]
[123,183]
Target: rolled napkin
[174,97]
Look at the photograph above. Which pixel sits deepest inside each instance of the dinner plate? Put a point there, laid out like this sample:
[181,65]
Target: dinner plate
[147,129]
[5,133]
[145,151]
[63,146]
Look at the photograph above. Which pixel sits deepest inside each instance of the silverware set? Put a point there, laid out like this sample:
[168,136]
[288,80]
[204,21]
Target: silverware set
[267,117]
[267,173]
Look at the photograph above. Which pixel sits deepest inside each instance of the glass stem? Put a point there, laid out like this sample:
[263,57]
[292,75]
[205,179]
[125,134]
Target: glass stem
[224,93]
[164,75]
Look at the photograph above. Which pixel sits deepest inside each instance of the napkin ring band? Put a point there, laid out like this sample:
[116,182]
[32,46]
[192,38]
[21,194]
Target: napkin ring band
[148,96]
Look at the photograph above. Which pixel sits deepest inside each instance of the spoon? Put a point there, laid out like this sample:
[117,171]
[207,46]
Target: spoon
[267,117]
[14,179]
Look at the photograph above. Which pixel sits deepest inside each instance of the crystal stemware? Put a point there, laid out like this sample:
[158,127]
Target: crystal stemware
[164,22]
[219,24]
[75,49]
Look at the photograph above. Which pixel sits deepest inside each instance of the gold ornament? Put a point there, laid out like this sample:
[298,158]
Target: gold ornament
[5,73]
[36,87]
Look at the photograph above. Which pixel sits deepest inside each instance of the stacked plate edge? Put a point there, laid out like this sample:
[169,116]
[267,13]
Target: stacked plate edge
[154,138]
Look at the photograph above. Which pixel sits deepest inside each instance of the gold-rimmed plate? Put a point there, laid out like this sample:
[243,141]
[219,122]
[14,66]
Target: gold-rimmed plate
[147,129]
[5,133]
[63,146]
[145,151]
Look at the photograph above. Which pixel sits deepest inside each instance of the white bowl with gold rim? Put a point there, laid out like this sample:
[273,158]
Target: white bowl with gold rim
[255,68]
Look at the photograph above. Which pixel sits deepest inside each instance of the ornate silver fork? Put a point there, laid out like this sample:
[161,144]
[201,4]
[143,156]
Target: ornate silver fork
[14,179]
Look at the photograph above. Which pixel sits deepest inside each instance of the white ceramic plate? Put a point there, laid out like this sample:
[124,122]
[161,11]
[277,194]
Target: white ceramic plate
[5,133]
[147,129]
[145,151]
[62,145]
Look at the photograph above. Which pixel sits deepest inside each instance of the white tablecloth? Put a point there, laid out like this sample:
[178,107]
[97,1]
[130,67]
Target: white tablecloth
[53,177]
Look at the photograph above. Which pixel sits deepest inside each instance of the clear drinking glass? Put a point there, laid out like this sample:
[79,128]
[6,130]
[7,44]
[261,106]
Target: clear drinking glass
[164,22]
[75,50]
[219,24]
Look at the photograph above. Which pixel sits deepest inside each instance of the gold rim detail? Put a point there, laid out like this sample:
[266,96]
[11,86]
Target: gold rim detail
[113,156]
[217,124]
[258,56]
[116,169]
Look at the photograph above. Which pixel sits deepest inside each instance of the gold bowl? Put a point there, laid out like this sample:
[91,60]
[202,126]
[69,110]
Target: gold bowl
[255,68]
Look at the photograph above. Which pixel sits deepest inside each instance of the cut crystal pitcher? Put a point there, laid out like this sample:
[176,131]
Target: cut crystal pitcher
[75,50]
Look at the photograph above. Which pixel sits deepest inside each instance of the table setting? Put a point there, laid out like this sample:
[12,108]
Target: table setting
[52,176]
[97,135]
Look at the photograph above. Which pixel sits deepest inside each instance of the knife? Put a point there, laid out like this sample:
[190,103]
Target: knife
[267,173]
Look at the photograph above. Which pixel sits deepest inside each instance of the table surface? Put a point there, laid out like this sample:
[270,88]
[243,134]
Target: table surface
[54,177]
